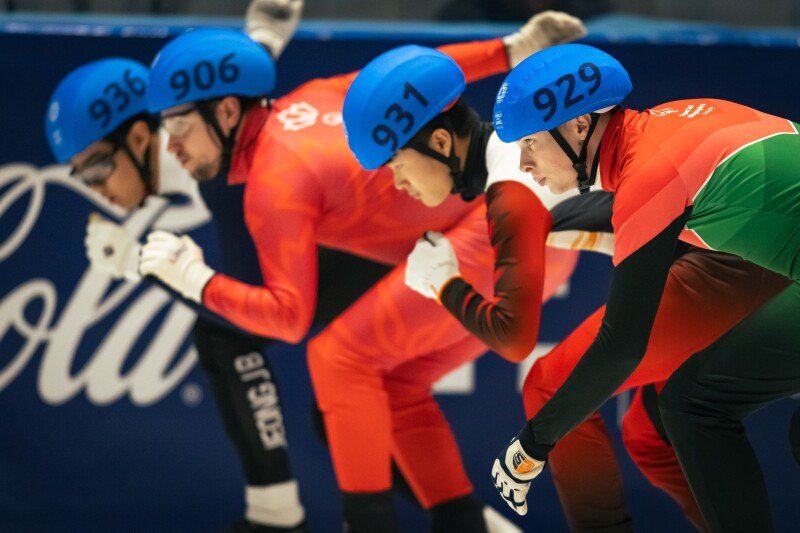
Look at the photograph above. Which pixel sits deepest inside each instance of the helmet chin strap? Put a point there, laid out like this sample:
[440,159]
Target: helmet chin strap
[143,168]
[227,141]
[470,181]
[452,161]
[585,181]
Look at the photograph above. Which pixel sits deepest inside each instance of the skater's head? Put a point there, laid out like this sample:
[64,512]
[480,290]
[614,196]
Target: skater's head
[97,121]
[202,84]
[427,178]
[555,105]
[404,110]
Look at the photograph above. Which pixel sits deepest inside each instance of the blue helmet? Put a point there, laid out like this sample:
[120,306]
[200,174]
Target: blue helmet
[394,96]
[209,63]
[556,85]
[91,102]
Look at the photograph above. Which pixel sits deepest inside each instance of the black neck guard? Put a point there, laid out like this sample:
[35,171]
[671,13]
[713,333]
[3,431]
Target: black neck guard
[472,182]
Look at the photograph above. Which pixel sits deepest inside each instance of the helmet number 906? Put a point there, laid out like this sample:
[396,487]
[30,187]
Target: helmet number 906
[383,134]
[203,76]
[119,95]
[545,98]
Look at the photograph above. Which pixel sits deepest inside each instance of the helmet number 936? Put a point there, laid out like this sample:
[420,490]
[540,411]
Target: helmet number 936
[545,98]
[402,119]
[203,76]
[119,97]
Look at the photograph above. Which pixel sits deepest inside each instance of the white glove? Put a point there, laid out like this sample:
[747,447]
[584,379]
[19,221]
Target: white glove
[273,22]
[431,265]
[178,262]
[111,249]
[543,30]
[512,472]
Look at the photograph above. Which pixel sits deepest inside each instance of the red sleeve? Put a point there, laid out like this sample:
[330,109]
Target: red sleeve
[478,60]
[509,323]
[281,210]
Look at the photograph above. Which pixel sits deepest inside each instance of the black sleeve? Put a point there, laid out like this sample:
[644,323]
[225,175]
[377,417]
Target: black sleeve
[508,319]
[636,287]
[585,212]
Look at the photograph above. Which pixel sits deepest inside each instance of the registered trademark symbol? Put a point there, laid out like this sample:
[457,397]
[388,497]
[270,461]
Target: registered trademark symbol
[191,394]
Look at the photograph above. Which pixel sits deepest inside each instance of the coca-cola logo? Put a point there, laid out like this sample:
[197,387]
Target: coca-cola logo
[67,312]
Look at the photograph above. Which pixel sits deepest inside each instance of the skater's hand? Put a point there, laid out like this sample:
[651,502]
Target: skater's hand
[543,30]
[111,249]
[178,262]
[273,22]
[431,265]
[512,473]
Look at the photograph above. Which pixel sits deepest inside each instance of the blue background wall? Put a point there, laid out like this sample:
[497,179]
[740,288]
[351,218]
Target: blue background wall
[94,459]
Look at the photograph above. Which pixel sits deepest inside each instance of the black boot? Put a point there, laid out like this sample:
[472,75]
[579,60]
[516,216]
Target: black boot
[794,435]
[462,515]
[368,513]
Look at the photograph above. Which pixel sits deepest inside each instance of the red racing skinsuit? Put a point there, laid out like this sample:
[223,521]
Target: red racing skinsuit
[373,367]
[706,294]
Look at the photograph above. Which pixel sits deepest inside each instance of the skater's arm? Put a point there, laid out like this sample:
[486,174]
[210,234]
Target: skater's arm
[202,312]
[509,321]
[481,59]
[281,209]
[636,287]
[583,223]
[478,60]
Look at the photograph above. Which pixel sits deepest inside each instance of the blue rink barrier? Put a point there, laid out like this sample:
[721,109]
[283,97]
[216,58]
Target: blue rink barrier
[106,422]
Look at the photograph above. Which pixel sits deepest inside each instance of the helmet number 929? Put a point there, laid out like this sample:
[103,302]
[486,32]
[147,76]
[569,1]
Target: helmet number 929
[384,134]
[203,76]
[119,97]
[545,98]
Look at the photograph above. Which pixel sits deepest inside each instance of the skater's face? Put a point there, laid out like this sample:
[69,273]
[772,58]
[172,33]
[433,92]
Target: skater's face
[107,168]
[542,157]
[193,141]
[423,177]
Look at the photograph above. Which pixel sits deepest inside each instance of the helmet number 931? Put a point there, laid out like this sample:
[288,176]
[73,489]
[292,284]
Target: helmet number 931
[203,76]
[119,97]
[545,98]
[402,119]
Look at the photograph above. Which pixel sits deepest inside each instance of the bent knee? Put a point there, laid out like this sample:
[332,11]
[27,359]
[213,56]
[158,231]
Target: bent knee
[324,368]
[334,367]
[677,397]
